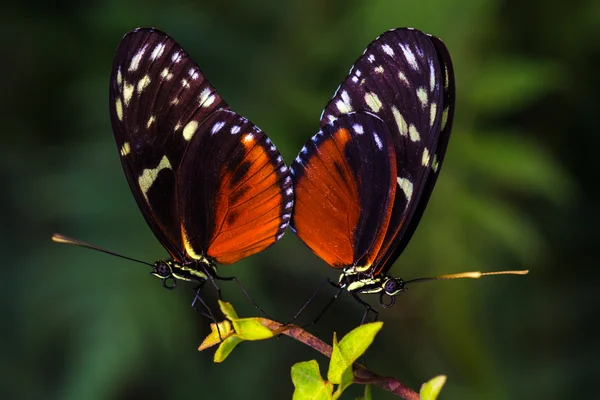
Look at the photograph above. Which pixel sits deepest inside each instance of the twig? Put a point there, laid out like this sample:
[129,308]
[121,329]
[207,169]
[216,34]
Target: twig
[361,373]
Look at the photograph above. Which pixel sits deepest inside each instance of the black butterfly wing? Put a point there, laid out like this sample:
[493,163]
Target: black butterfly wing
[405,78]
[157,95]
[438,154]
[345,181]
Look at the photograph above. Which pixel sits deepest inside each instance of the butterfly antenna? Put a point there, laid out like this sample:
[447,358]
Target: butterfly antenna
[471,275]
[58,238]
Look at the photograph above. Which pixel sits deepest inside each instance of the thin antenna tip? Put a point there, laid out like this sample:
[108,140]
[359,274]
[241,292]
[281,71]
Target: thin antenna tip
[58,238]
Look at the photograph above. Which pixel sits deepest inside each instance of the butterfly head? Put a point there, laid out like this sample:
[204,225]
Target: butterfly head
[164,271]
[390,288]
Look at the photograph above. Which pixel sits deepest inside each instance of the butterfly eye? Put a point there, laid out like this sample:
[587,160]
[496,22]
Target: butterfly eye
[162,269]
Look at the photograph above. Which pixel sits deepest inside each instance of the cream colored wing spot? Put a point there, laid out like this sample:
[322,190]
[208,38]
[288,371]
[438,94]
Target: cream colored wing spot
[190,130]
[119,78]
[149,175]
[413,133]
[422,95]
[127,93]
[432,114]
[435,165]
[125,149]
[407,188]
[151,120]
[445,117]
[143,84]
[344,105]
[426,157]
[119,109]
[373,102]
[400,121]
[403,78]
[378,69]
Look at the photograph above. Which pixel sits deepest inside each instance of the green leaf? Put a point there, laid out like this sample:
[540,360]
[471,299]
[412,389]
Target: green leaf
[251,329]
[226,347]
[352,346]
[430,390]
[227,310]
[347,380]
[308,383]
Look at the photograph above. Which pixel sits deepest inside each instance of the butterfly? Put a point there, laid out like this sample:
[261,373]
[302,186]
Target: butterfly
[363,181]
[211,185]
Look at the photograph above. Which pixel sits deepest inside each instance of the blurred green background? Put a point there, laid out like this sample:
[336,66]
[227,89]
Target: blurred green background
[518,190]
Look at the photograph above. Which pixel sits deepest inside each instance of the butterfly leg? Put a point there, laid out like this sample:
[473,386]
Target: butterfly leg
[339,291]
[368,308]
[243,289]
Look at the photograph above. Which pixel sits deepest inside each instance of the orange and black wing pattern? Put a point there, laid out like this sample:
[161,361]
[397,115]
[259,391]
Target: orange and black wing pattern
[345,182]
[235,190]
[405,78]
[208,182]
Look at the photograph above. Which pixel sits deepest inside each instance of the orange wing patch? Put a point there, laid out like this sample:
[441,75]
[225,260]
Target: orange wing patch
[249,203]
[327,205]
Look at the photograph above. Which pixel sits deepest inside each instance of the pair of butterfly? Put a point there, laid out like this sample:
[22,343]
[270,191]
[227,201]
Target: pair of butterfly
[214,189]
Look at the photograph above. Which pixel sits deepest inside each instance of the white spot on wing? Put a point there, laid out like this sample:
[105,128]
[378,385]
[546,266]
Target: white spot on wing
[388,50]
[410,57]
[358,129]
[135,61]
[379,69]
[176,57]
[378,141]
[344,105]
[157,52]
[371,58]
[217,127]
[235,129]
[248,137]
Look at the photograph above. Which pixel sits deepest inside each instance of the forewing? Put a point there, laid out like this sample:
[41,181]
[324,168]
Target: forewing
[447,118]
[401,78]
[235,189]
[157,94]
[344,182]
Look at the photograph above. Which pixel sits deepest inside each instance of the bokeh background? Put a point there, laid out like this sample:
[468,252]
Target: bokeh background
[518,190]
